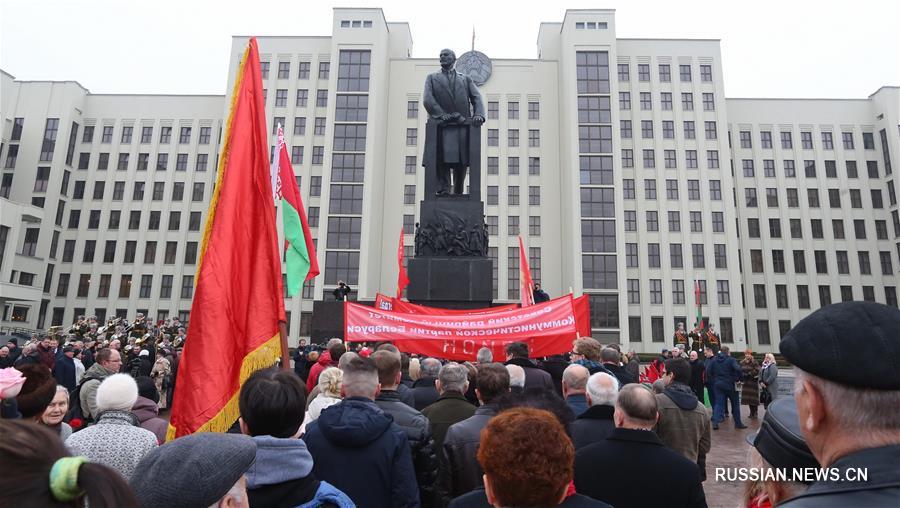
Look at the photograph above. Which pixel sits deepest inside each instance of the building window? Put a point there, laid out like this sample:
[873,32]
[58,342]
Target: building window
[321,98]
[684,72]
[325,67]
[806,140]
[706,73]
[412,109]
[534,110]
[709,102]
[625,101]
[512,137]
[534,137]
[512,195]
[710,129]
[512,110]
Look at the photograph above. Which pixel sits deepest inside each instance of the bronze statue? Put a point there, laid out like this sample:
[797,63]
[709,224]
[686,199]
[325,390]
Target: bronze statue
[453,99]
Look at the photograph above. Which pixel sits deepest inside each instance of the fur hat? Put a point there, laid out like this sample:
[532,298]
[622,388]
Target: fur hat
[117,392]
[37,391]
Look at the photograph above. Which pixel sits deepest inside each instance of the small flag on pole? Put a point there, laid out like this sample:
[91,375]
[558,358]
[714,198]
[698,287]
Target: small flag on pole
[402,277]
[697,301]
[526,286]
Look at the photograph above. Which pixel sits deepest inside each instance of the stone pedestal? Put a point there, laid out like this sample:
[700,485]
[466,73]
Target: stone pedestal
[453,282]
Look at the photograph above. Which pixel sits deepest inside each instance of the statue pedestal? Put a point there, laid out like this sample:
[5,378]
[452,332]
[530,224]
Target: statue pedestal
[453,282]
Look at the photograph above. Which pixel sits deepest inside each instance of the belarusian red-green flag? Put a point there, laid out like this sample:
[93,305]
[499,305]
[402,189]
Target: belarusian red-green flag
[697,301]
[238,301]
[302,264]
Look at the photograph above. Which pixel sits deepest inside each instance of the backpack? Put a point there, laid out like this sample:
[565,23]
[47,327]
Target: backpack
[76,412]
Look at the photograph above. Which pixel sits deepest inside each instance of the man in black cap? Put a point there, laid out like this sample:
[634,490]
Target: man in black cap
[203,469]
[849,416]
[778,444]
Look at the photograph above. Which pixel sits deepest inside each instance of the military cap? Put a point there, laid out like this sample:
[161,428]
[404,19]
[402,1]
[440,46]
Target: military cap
[780,440]
[852,343]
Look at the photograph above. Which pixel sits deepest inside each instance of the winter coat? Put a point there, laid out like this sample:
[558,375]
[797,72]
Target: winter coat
[592,366]
[698,366]
[79,370]
[64,372]
[633,368]
[633,468]
[722,372]
[424,392]
[769,376]
[323,363]
[357,448]
[461,472]
[620,373]
[282,477]
[750,377]
[421,442]
[556,365]
[406,395]
[115,441]
[147,413]
[89,384]
[592,426]
[881,489]
[449,409]
[535,377]
[683,423]
[578,403]
[316,406]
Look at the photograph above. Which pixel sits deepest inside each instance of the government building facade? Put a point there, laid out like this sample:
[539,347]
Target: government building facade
[621,163]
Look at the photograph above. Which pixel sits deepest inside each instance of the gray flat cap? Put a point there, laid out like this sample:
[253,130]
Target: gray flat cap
[193,471]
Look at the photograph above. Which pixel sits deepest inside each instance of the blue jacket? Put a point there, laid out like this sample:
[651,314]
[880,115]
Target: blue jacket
[360,450]
[723,371]
[282,476]
[64,371]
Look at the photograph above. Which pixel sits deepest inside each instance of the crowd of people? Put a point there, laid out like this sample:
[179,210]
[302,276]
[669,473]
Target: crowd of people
[377,427]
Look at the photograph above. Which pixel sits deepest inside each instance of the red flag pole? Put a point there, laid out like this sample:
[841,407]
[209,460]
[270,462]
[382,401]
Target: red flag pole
[285,355]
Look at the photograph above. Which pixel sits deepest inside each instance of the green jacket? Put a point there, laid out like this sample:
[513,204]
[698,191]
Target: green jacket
[450,408]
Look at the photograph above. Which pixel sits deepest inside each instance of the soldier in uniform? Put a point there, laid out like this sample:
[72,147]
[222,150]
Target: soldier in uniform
[680,336]
[712,339]
[696,337]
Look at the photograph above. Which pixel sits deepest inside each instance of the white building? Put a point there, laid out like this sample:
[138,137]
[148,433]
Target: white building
[611,157]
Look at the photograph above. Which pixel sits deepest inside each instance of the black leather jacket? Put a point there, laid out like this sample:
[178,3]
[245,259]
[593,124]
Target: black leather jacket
[421,442]
[460,471]
[881,489]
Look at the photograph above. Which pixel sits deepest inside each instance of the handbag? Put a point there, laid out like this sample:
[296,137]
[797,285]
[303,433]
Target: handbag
[765,396]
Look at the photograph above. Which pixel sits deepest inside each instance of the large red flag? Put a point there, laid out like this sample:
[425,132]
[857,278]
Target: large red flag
[238,298]
[526,285]
[402,277]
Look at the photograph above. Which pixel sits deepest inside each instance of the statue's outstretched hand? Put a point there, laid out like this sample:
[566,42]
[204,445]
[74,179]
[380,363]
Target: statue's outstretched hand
[478,120]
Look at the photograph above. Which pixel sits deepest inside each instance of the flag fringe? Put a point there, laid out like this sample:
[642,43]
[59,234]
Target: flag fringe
[262,357]
[220,173]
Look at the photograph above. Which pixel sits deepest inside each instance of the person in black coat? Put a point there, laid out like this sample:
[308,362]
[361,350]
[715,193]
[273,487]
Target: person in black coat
[342,291]
[414,423]
[535,377]
[64,368]
[556,365]
[610,358]
[644,472]
[698,367]
[423,389]
[595,424]
[539,294]
[359,449]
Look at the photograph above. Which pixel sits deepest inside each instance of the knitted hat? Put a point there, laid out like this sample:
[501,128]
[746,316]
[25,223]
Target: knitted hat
[191,471]
[37,391]
[117,392]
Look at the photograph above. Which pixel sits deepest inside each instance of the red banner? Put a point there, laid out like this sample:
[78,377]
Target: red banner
[397,305]
[548,329]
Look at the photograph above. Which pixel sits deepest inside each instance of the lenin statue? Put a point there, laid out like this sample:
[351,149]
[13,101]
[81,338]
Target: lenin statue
[452,99]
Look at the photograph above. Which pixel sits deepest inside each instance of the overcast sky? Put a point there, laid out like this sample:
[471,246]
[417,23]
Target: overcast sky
[784,48]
